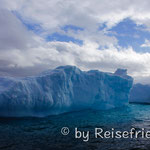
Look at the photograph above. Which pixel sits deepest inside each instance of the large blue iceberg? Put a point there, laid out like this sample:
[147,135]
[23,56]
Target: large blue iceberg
[63,89]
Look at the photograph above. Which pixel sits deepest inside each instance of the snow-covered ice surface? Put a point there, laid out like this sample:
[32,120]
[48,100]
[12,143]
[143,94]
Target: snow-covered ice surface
[140,93]
[63,89]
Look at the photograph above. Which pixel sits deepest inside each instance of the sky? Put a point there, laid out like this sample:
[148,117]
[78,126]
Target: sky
[36,35]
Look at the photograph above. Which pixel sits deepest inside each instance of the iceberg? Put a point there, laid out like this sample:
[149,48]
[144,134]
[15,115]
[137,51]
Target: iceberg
[140,93]
[63,89]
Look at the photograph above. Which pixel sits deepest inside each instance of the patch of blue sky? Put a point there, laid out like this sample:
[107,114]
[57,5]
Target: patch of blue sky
[36,28]
[63,38]
[129,33]
[66,28]
[102,26]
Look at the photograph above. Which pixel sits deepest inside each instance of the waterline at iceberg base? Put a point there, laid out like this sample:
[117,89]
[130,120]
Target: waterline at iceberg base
[63,89]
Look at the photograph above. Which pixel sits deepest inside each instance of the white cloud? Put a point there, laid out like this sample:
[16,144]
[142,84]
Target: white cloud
[85,57]
[88,14]
[146,44]
[24,53]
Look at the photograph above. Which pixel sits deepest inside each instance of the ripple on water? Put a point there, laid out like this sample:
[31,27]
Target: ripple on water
[30,133]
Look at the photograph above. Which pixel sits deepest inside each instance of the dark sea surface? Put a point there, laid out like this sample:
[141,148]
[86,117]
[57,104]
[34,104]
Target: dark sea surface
[34,133]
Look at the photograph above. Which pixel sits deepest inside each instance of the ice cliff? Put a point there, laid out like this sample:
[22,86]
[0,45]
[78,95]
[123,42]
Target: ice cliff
[63,89]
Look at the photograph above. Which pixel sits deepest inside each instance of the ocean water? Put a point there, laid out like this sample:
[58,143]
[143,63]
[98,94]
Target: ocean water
[34,133]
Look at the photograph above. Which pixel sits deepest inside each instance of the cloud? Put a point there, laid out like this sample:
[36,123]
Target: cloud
[87,56]
[24,52]
[53,14]
[12,32]
[146,44]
